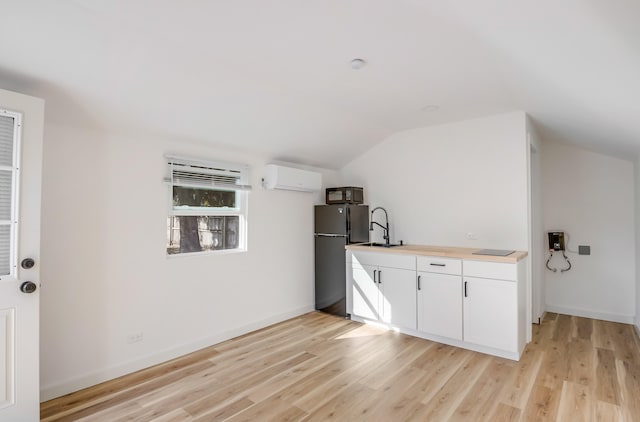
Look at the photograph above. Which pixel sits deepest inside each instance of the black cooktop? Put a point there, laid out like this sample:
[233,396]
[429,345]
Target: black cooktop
[493,252]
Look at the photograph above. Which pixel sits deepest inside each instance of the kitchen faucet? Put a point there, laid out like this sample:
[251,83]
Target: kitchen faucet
[385,227]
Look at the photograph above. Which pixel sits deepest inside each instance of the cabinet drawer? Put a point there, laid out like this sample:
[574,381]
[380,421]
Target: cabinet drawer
[496,270]
[389,260]
[433,264]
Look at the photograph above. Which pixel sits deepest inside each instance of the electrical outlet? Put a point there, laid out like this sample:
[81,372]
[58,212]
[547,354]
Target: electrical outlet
[472,236]
[135,338]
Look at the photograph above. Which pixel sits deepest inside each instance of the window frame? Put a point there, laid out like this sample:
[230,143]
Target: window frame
[240,187]
[14,168]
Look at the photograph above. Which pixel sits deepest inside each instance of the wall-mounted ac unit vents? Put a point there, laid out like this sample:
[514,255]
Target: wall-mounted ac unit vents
[288,178]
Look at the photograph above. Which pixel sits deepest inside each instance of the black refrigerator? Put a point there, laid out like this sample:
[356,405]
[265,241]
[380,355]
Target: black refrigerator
[335,227]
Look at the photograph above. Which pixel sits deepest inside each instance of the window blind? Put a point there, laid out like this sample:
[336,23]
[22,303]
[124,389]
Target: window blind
[7,138]
[207,175]
[7,127]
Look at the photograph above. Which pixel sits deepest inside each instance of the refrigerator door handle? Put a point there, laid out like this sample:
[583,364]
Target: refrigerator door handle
[348,224]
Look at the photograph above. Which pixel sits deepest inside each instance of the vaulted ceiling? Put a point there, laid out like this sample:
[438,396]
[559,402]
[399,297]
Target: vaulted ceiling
[275,75]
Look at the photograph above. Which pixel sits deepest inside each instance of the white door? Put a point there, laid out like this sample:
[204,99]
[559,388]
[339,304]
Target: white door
[364,291]
[398,296]
[20,181]
[491,313]
[440,304]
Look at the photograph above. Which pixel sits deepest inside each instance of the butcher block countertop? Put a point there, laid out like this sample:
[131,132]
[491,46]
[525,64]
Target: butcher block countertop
[443,251]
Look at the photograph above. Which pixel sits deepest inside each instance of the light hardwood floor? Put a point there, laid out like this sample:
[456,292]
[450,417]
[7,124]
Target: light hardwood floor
[318,367]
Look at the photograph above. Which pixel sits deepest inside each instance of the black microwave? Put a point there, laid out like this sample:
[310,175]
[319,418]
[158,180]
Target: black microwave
[345,195]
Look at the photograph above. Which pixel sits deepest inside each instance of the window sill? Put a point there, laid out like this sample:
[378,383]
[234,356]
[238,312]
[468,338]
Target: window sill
[205,253]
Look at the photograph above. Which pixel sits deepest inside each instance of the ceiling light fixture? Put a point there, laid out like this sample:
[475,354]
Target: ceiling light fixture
[430,108]
[357,64]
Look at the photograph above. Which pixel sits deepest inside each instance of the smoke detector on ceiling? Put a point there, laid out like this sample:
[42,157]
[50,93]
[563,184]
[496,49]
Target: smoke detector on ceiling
[430,108]
[357,64]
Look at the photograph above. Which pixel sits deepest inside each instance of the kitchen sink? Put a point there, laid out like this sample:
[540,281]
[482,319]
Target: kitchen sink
[379,245]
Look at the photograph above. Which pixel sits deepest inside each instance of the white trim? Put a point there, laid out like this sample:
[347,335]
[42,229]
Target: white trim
[56,390]
[586,313]
[532,251]
[213,186]
[209,252]
[204,212]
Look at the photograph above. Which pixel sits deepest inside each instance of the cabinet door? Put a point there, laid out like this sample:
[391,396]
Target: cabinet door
[364,291]
[490,313]
[440,305]
[398,297]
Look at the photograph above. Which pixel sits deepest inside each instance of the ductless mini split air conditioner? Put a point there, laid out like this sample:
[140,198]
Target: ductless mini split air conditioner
[289,178]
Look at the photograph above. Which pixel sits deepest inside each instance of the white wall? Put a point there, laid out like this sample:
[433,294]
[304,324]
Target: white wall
[439,183]
[106,275]
[591,197]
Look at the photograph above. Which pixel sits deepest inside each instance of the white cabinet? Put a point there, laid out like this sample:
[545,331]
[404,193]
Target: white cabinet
[398,296]
[382,287]
[440,296]
[476,304]
[440,304]
[490,313]
[494,314]
[364,291]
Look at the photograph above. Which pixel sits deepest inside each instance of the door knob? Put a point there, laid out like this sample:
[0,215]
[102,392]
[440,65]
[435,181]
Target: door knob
[28,287]
[27,263]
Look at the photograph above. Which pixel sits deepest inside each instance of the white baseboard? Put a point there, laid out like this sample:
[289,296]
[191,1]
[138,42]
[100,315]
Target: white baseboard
[68,386]
[586,313]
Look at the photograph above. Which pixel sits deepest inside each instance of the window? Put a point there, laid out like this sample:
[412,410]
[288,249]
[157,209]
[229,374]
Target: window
[9,149]
[208,206]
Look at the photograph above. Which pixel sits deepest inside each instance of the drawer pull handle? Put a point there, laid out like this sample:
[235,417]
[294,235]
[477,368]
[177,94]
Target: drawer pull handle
[438,265]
